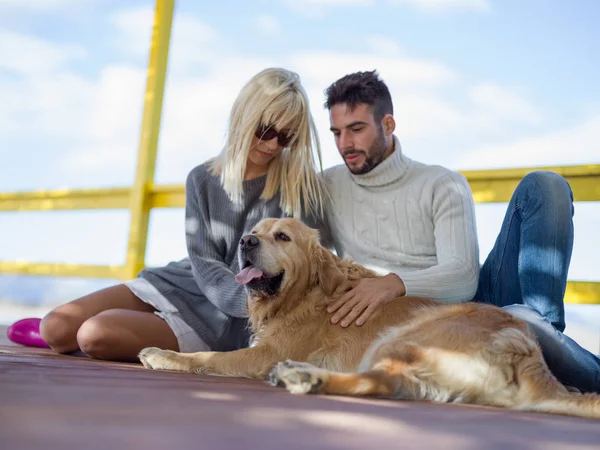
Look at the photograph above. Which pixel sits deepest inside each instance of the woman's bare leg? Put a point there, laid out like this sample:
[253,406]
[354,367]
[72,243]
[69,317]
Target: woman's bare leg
[120,334]
[60,328]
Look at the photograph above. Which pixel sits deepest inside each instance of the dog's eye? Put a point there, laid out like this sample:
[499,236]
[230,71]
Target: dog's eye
[282,237]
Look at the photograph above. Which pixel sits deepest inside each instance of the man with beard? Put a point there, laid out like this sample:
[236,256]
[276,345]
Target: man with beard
[415,224]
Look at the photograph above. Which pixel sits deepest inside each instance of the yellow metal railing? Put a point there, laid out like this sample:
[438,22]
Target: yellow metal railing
[488,186]
[139,200]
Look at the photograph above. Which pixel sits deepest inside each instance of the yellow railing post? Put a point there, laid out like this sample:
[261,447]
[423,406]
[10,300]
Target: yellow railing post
[140,194]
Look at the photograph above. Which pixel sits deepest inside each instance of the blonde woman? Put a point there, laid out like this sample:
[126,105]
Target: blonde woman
[267,168]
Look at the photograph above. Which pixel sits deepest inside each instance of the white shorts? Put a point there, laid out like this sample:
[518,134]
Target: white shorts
[187,338]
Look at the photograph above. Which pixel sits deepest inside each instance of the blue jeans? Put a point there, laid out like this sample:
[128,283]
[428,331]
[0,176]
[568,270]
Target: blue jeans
[528,266]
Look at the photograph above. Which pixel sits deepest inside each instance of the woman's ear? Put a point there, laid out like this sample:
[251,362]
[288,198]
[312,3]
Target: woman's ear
[325,270]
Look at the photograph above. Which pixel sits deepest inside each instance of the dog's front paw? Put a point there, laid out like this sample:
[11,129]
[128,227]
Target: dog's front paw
[155,358]
[298,378]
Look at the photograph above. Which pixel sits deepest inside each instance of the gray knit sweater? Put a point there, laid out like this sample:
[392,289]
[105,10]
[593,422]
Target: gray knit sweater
[202,286]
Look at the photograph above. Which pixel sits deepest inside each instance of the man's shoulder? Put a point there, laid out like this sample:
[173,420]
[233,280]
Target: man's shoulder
[336,173]
[435,172]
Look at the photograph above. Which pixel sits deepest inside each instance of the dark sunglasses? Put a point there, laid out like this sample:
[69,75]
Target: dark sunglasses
[266,133]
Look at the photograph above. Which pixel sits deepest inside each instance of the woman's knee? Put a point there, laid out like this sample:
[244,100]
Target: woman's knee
[96,336]
[59,330]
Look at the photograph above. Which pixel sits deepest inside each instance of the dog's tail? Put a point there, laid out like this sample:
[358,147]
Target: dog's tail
[544,393]
[539,389]
[581,405]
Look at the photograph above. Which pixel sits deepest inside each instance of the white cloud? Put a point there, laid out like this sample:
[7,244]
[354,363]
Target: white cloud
[438,114]
[97,120]
[424,114]
[309,3]
[15,12]
[109,125]
[100,118]
[446,5]
[323,68]
[29,56]
[577,144]
[37,6]
[70,110]
[504,104]
[53,106]
[133,30]
[317,9]
[384,45]
[268,24]
[192,41]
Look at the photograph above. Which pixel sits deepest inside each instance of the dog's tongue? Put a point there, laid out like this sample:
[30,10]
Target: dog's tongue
[248,274]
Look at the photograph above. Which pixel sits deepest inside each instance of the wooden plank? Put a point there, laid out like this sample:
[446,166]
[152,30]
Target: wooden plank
[56,402]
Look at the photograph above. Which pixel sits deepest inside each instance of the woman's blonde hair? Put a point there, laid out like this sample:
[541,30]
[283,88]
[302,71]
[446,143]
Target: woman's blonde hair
[275,97]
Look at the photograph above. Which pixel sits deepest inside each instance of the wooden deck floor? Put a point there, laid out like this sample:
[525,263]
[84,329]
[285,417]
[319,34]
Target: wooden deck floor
[51,402]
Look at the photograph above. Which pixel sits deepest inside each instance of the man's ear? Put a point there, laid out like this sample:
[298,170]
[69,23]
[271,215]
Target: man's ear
[389,124]
[325,270]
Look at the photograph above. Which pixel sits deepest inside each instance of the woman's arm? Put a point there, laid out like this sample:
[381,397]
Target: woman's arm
[212,274]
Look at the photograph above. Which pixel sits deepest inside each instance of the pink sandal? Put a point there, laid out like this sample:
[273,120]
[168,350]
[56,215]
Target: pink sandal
[27,332]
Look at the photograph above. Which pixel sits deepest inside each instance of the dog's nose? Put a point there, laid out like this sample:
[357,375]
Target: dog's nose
[249,242]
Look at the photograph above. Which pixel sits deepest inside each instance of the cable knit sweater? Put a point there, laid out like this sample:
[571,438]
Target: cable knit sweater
[411,219]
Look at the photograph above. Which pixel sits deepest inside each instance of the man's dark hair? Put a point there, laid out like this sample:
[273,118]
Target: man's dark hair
[361,88]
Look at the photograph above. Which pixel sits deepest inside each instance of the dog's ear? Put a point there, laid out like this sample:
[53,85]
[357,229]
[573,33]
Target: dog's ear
[325,270]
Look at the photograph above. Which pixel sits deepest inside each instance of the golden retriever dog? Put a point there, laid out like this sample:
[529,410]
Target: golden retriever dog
[412,348]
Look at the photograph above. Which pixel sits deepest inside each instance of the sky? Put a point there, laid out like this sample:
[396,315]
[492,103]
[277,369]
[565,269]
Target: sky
[476,84]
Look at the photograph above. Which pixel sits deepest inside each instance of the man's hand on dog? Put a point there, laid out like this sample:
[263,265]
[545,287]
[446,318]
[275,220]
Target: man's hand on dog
[363,300]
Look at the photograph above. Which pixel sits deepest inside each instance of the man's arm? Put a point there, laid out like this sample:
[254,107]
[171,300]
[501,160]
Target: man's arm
[453,279]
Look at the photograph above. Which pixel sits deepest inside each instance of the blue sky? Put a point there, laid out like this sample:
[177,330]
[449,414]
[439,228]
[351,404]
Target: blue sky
[476,84]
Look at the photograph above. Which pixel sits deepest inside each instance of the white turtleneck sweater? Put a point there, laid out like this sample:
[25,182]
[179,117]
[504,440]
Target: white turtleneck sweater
[411,219]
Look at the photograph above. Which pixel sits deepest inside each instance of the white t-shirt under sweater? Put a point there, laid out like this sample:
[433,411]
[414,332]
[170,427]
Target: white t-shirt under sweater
[409,218]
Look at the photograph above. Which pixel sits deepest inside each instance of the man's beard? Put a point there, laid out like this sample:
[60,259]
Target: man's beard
[373,157]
